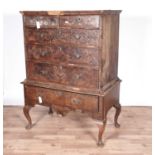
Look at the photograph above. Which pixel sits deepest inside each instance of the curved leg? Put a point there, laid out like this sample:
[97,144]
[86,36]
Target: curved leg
[100,133]
[118,110]
[50,110]
[26,110]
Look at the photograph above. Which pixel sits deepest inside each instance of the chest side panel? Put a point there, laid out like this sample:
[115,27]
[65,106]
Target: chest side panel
[109,52]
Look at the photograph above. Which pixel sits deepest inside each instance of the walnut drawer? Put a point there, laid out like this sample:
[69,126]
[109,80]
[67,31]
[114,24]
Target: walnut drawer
[48,97]
[63,74]
[40,36]
[43,21]
[78,37]
[62,53]
[73,36]
[87,37]
[87,22]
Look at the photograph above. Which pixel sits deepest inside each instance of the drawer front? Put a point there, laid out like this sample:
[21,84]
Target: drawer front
[41,21]
[67,75]
[87,22]
[83,102]
[47,97]
[78,37]
[40,36]
[86,37]
[62,53]
[35,95]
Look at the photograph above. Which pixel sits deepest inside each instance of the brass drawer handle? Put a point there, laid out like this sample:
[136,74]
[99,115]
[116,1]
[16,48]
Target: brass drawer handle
[45,53]
[45,23]
[42,35]
[75,101]
[60,48]
[77,36]
[43,72]
[60,67]
[77,54]
[77,77]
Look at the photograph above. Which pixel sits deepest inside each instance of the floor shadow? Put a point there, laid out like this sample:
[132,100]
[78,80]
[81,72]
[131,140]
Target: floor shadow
[21,118]
[81,119]
[113,135]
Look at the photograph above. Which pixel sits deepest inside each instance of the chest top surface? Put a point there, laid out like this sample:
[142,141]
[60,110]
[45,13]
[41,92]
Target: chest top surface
[84,12]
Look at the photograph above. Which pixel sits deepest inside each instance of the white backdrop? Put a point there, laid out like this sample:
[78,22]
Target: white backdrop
[134,48]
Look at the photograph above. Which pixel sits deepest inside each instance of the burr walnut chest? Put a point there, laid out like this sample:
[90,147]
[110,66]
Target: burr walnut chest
[71,62]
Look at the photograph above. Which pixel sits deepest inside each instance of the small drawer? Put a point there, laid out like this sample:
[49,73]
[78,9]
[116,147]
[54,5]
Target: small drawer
[87,22]
[41,21]
[47,97]
[63,74]
[62,53]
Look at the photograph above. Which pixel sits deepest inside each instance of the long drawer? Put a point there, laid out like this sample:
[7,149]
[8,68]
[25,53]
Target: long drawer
[48,97]
[75,36]
[63,53]
[63,74]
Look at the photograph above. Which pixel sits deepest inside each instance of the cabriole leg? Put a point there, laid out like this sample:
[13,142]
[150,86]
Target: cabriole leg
[100,133]
[26,110]
[118,110]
